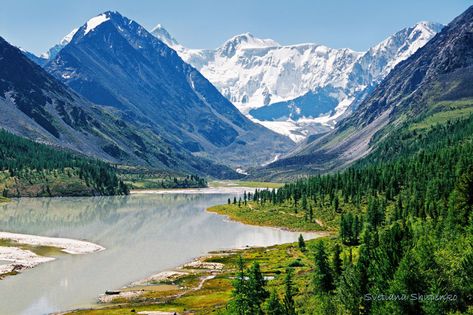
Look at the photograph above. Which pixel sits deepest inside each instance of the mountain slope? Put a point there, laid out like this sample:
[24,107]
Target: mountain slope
[431,87]
[30,169]
[264,78]
[114,61]
[36,106]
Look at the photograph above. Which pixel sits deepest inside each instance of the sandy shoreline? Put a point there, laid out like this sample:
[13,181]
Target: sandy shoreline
[20,259]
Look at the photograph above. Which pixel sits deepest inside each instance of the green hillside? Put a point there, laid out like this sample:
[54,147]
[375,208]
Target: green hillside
[404,217]
[29,169]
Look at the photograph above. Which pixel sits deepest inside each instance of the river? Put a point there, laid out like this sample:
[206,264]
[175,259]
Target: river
[143,234]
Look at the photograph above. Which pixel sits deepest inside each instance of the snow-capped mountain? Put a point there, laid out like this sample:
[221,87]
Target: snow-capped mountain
[281,86]
[115,62]
[253,72]
[283,83]
[438,73]
[53,51]
[379,60]
[43,59]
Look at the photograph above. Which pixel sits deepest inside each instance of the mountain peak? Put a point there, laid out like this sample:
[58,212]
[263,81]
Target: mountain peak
[248,40]
[53,51]
[163,35]
[398,47]
[91,24]
[424,29]
[434,26]
[102,18]
[245,41]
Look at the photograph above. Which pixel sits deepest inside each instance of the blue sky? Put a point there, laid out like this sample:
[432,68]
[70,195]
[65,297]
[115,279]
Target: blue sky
[37,25]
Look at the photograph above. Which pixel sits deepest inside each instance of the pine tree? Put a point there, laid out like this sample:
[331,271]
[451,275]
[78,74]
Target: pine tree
[289,306]
[337,262]
[408,280]
[301,243]
[349,292]
[304,202]
[273,305]
[336,204]
[323,273]
[464,197]
[256,289]
[240,303]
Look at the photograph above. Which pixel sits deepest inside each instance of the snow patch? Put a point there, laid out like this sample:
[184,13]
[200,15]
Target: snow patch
[94,22]
[67,39]
[241,171]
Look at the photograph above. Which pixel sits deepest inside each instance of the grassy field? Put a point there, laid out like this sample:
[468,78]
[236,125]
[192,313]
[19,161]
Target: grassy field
[284,216]
[449,111]
[182,297]
[274,216]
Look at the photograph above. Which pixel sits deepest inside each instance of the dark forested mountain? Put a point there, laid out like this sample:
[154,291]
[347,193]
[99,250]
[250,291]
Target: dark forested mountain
[113,61]
[38,107]
[432,86]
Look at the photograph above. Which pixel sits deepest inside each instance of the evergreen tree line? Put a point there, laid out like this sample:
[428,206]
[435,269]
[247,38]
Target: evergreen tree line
[24,158]
[189,181]
[407,248]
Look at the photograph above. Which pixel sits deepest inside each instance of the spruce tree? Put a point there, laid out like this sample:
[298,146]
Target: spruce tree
[289,306]
[323,273]
[337,263]
[257,293]
[273,305]
[240,301]
[301,243]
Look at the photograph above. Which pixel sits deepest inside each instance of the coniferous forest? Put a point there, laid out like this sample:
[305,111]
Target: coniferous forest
[32,169]
[405,246]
